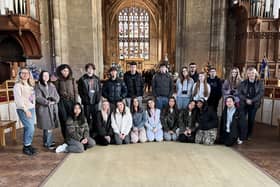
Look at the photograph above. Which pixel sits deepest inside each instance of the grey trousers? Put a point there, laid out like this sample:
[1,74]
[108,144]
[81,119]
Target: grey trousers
[118,141]
[75,146]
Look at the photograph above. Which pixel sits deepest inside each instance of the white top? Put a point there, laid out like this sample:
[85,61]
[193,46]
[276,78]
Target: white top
[200,94]
[121,124]
[24,96]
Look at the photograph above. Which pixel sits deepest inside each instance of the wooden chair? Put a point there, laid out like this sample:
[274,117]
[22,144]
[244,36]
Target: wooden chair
[5,124]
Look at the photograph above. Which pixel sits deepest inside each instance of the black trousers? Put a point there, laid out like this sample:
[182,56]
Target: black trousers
[90,113]
[186,139]
[100,140]
[227,139]
[65,107]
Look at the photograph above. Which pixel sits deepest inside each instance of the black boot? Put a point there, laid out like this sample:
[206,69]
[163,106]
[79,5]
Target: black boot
[27,150]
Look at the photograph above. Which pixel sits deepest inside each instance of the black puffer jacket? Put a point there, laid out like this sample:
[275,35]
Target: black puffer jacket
[162,85]
[129,80]
[207,118]
[83,88]
[114,90]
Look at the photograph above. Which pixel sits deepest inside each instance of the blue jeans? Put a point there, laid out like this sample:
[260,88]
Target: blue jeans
[28,124]
[161,102]
[47,137]
[182,102]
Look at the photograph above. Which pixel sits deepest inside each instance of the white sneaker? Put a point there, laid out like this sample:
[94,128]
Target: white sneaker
[61,148]
[239,142]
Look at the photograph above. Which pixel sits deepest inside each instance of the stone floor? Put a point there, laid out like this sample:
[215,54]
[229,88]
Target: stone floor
[17,169]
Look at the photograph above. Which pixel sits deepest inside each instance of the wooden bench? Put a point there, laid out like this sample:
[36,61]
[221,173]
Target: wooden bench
[5,124]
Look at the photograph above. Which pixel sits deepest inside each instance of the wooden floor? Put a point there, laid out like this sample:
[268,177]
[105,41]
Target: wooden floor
[17,169]
[264,149]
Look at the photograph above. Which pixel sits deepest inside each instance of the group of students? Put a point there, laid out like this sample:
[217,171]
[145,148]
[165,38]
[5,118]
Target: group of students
[187,115]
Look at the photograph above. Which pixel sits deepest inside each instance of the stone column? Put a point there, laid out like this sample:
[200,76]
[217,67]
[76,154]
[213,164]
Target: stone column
[97,40]
[181,53]
[218,35]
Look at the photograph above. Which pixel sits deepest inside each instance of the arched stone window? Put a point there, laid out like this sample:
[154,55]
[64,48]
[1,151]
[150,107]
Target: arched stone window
[134,33]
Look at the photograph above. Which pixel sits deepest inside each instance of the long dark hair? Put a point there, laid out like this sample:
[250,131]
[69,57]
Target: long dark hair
[148,108]
[182,77]
[132,109]
[41,77]
[81,116]
[167,108]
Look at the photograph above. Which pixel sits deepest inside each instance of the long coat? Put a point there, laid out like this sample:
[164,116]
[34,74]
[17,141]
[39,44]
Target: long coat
[47,114]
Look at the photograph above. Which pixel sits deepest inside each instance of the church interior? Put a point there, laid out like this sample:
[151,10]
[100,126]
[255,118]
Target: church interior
[43,34]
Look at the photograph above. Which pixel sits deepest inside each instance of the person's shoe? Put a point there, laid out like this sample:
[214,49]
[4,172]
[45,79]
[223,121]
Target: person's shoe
[61,148]
[239,142]
[33,150]
[51,147]
[27,150]
[53,144]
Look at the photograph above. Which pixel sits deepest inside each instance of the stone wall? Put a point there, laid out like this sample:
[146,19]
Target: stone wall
[77,34]
[201,33]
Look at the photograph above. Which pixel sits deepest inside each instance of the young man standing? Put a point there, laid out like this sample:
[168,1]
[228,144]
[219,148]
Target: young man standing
[193,72]
[216,89]
[134,84]
[89,88]
[162,87]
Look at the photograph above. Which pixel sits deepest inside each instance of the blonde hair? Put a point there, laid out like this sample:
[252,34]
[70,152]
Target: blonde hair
[197,86]
[30,80]
[257,75]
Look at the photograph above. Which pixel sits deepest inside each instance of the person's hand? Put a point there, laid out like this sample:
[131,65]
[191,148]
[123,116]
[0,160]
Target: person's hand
[51,103]
[108,138]
[155,130]
[189,132]
[84,141]
[186,133]
[171,132]
[28,114]
[249,101]
[134,129]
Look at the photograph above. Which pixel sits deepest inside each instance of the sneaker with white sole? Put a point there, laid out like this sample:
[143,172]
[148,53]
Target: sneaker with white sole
[239,142]
[61,148]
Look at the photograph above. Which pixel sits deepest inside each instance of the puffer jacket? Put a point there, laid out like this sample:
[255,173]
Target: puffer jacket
[139,85]
[76,129]
[162,85]
[114,90]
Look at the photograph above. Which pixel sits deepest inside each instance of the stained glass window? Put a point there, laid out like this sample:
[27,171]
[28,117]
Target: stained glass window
[134,33]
